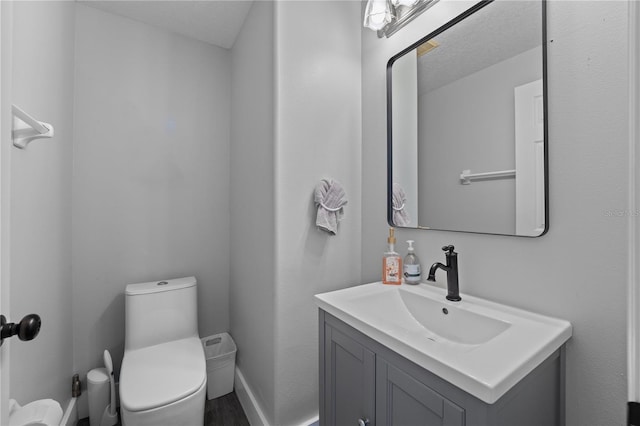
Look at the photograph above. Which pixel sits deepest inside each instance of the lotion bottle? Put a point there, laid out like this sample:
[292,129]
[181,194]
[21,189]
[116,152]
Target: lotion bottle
[391,263]
[412,270]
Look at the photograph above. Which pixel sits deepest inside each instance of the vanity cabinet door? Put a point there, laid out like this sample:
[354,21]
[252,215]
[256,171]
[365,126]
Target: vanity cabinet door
[403,400]
[350,372]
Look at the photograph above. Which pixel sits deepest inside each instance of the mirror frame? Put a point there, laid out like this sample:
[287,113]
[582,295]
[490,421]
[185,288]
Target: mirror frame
[545,142]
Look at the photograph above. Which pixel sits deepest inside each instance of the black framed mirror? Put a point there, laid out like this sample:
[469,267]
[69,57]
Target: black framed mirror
[467,124]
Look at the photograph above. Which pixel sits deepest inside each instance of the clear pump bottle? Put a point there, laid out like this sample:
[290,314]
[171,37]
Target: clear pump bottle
[411,270]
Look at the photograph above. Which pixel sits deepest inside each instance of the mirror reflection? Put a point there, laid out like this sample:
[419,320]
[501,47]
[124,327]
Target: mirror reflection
[467,120]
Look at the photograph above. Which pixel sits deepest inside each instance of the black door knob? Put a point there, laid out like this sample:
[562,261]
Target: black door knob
[27,329]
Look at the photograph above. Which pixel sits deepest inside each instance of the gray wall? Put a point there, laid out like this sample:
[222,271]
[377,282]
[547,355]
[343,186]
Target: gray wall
[252,292]
[296,119]
[578,270]
[40,226]
[150,175]
[462,132]
[318,132]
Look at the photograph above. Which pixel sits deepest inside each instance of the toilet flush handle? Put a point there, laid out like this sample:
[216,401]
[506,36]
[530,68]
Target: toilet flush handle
[27,329]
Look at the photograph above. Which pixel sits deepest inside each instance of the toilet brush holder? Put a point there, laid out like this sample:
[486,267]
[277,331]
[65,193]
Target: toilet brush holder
[109,418]
[110,415]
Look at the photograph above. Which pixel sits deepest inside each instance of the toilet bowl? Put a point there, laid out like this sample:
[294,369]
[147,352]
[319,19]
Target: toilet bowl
[163,375]
[44,412]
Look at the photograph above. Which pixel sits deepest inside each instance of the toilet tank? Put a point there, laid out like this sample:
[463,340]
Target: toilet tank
[160,311]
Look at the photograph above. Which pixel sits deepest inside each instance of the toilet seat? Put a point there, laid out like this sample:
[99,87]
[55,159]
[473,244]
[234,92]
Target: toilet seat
[159,375]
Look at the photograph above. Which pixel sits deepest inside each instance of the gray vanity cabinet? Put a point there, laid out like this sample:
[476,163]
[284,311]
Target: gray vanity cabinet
[403,400]
[349,380]
[364,382]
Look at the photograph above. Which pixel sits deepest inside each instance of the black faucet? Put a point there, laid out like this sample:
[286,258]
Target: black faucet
[453,291]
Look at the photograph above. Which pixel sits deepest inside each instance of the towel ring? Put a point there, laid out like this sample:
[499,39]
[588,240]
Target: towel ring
[329,208]
[398,208]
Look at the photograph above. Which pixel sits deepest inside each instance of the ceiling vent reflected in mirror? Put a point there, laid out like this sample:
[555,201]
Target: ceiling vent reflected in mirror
[426,47]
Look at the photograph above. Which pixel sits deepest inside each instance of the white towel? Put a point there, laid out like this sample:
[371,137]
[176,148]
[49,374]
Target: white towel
[398,200]
[330,199]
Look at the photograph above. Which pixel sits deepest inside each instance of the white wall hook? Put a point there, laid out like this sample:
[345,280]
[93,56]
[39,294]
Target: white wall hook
[27,128]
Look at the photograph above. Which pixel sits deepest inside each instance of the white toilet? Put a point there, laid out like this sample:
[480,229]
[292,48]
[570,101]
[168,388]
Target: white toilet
[44,412]
[163,376]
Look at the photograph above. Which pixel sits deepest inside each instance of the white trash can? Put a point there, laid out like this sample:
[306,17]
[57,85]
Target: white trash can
[220,353]
[98,389]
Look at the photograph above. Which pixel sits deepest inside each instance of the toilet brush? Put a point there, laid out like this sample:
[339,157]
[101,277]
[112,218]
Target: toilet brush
[110,415]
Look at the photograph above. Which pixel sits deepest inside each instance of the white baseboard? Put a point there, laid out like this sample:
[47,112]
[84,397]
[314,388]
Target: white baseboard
[70,416]
[250,405]
[309,422]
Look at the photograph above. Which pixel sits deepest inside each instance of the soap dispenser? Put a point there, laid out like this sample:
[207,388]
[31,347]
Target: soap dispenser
[412,270]
[391,263]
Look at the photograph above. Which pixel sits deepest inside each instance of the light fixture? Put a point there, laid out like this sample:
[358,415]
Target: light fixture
[388,16]
[406,3]
[378,14]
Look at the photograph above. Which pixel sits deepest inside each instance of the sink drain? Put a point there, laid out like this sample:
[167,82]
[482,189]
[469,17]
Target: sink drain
[445,311]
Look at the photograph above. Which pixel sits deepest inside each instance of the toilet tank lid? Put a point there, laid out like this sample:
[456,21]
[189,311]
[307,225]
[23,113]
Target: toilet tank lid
[159,286]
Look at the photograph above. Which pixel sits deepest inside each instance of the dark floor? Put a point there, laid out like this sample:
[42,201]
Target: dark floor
[223,411]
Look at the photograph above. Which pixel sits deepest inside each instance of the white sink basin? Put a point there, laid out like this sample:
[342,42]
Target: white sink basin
[480,346]
[448,321]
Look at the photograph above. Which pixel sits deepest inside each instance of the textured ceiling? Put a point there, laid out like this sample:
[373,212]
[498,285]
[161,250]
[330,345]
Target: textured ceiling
[497,32]
[214,21]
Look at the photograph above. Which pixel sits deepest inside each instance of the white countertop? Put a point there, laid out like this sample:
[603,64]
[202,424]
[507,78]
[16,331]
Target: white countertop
[516,342]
